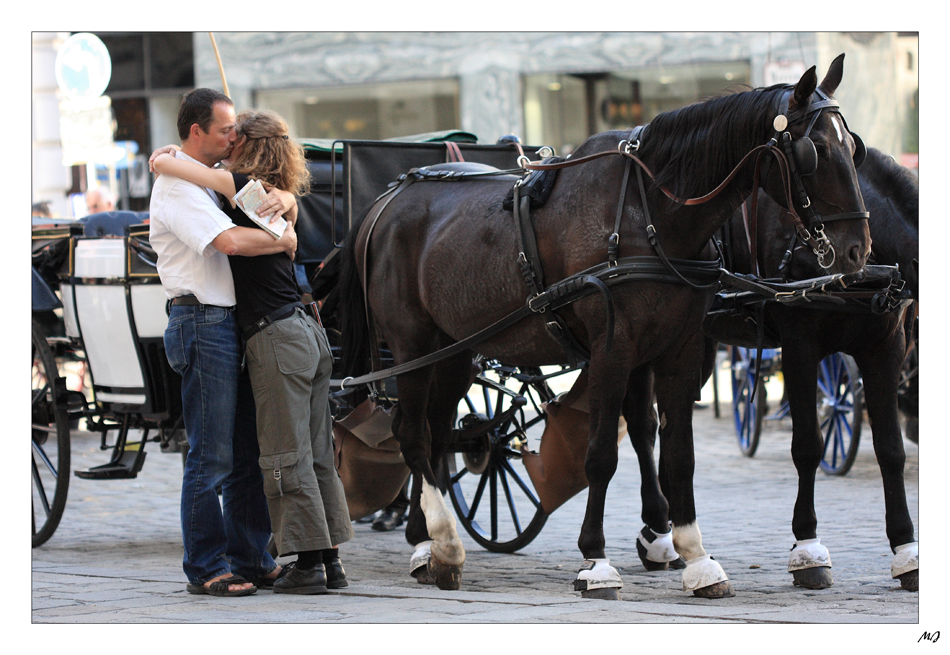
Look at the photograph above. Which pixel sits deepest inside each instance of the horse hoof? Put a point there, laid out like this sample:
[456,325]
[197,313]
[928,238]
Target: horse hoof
[679,563]
[604,593]
[422,575]
[814,578]
[648,564]
[718,590]
[909,580]
[447,577]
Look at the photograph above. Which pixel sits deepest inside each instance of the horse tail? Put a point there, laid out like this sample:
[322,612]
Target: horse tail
[352,306]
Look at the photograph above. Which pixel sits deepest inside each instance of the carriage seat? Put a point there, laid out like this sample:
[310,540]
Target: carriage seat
[106,224]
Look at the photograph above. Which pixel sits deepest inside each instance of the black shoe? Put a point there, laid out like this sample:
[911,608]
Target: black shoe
[302,581]
[369,518]
[336,576]
[389,520]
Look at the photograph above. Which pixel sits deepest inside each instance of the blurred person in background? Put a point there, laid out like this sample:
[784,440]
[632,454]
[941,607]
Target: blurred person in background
[100,199]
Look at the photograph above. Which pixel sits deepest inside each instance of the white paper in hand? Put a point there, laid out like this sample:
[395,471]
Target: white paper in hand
[249,199]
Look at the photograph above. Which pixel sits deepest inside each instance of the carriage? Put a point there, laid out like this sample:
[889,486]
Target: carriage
[501,483]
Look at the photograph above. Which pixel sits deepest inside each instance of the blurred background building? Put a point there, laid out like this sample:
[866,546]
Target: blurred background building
[549,88]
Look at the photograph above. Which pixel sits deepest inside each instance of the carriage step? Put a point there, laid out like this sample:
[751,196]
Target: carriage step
[127,467]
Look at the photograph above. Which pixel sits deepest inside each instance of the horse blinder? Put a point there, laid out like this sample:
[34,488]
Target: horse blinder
[860,150]
[806,156]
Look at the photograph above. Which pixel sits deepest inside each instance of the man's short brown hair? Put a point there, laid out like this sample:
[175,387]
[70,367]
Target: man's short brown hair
[198,107]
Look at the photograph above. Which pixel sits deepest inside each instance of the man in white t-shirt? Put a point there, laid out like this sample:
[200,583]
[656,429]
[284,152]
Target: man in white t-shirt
[225,544]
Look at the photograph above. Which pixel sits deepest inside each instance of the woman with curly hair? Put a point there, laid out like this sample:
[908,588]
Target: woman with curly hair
[289,361]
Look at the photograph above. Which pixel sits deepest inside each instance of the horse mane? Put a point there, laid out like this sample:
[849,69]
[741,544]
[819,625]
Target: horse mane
[893,181]
[693,148]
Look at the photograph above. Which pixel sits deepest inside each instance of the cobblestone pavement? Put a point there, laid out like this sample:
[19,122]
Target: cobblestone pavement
[116,556]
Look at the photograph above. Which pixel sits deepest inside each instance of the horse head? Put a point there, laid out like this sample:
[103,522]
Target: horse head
[817,173]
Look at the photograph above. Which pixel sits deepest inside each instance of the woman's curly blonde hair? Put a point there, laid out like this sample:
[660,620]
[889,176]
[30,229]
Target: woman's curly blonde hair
[269,154]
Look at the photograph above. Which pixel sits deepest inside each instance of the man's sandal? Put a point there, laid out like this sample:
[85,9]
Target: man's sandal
[265,582]
[220,587]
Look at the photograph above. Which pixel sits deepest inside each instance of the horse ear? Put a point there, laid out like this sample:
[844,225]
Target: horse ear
[833,77]
[804,89]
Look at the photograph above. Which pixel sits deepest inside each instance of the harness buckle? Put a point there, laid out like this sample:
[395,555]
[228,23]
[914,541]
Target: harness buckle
[651,234]
[823,248]
[534,306]
[788,296]
[626,147]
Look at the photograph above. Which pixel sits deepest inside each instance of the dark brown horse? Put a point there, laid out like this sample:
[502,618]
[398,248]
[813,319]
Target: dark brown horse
[807,333]
[439,261]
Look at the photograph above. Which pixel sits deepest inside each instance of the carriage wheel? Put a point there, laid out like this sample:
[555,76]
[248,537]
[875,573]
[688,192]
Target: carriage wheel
[747,410]
[49,439]
[485,478]
[907,393]
[840,412]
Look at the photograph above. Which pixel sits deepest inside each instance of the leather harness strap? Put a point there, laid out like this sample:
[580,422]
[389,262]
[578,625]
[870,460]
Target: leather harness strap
[377,211]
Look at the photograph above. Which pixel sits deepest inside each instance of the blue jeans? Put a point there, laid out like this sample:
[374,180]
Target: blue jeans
[202,345]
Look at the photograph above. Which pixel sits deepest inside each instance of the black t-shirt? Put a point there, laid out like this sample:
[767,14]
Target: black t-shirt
[264,283]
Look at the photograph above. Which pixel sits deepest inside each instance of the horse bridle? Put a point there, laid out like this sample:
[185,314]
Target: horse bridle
[802,158]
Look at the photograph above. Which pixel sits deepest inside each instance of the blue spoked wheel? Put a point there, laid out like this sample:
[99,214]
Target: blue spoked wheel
[840,412]
[749,409]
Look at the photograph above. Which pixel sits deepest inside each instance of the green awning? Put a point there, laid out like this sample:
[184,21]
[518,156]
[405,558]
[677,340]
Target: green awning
[455,136]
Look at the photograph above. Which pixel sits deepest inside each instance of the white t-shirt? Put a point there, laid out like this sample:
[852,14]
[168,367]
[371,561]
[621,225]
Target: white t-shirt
[184,219]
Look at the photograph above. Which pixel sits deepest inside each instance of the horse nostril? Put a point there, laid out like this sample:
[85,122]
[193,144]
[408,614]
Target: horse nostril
[857,254]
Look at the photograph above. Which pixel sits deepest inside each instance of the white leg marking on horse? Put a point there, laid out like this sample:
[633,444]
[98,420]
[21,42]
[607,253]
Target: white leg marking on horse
[808,554]
[597,574]
[905,559]
[446,544]
[688,541]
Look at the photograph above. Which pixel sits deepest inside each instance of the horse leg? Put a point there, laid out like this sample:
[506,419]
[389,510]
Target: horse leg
[676,379]
[453,378]
[880,393]
[444,552]
[655,541]
[809,562]
[608,380]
